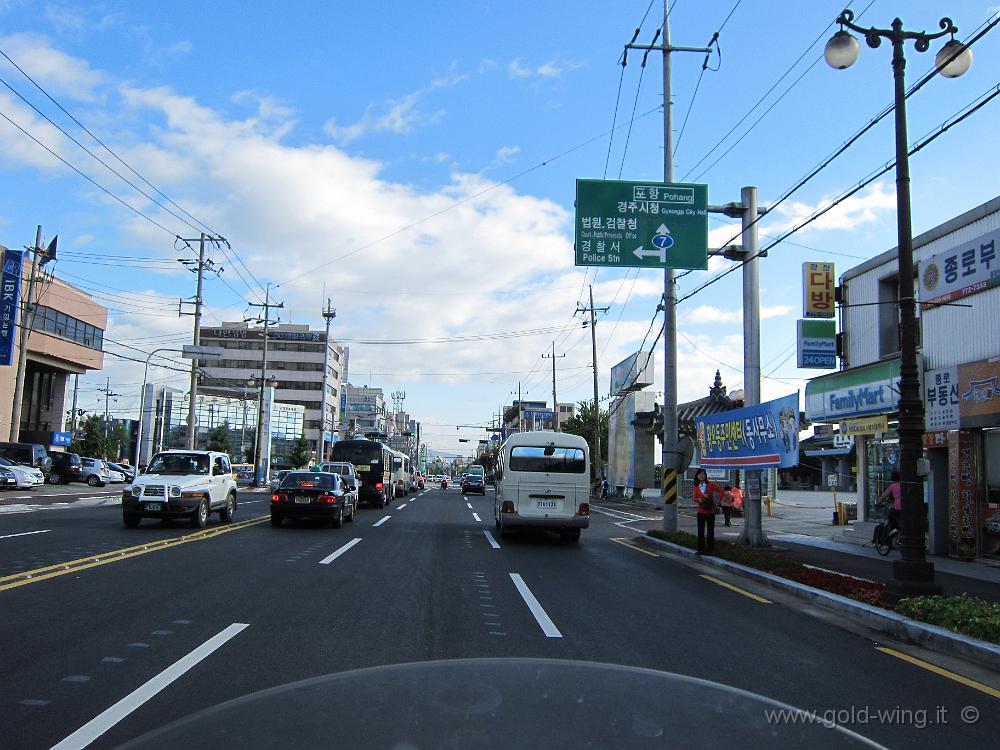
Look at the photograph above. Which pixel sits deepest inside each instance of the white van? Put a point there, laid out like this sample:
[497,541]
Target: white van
[543,481]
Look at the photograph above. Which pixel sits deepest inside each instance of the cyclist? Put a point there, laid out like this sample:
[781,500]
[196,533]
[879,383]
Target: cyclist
[895,492]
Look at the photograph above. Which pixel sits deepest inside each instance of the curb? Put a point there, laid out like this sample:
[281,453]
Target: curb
[882,620]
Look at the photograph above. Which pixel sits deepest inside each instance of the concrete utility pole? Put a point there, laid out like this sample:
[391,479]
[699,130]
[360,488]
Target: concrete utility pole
[596,464]
[27,318]
[72,416]
[262,463]
[199,269]
[108,395]
[328,315]
[555,404]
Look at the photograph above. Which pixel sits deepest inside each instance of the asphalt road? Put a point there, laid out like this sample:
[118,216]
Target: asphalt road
[175,620]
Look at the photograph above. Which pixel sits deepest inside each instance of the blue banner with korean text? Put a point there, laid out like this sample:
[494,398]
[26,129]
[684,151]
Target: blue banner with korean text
[10,298]
[757,437]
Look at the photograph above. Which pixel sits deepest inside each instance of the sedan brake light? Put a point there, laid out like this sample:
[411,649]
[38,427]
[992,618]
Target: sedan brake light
[378,485]
[279,497]
[329,499]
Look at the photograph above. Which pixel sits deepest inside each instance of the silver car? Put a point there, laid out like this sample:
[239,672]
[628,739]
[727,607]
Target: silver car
[27,477]
[95,472]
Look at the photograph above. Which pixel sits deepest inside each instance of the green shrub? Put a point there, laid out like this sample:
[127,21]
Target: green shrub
[960,614]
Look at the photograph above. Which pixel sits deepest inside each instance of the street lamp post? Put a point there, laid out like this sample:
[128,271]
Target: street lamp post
[912,573]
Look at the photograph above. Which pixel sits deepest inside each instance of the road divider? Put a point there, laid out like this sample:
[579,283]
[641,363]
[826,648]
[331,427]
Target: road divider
[341,550]
[104,721]
[544,621]
[73,566]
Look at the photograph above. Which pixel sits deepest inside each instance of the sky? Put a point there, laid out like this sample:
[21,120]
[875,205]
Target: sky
[416,164]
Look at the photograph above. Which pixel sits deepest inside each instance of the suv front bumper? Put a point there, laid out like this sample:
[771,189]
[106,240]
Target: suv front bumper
[172,507]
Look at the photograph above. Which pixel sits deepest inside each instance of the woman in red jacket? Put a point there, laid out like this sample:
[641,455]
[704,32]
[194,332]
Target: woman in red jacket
[707,496]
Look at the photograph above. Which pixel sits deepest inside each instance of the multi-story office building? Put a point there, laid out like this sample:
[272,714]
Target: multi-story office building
[296,356]
[364,411]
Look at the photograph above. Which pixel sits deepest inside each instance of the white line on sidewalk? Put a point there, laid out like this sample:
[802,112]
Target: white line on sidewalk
[491,540]
[544,621]
[26,533]
[476,516]
[381,521]
[469,506]
[101,723]
[334,555]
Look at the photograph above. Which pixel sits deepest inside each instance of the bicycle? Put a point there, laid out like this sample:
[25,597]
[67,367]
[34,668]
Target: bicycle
[886,535]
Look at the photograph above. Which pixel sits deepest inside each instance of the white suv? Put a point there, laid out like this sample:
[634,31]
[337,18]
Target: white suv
[182,484]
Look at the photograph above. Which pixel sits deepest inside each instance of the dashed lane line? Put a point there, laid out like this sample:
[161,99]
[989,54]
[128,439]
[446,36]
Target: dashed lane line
[469,506]
[381,521]
[491,540]
[25,533]
[72,566]
[104,721]
[476,516]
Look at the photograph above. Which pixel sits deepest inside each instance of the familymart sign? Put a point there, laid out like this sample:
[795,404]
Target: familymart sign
[860,392]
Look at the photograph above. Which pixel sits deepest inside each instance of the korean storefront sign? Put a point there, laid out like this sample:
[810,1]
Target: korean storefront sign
[970,268]
[641,224]
[865,426]
[960,396]
[757,437]
[10,298]
[873,389]
[817,344]
[818,283]
[963,474]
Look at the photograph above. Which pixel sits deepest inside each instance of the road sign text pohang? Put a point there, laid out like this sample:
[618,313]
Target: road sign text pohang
[641,224]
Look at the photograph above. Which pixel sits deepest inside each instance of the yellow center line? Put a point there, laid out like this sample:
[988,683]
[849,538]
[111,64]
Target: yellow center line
[83,563]
[993,692]
[621,541]
[737,589]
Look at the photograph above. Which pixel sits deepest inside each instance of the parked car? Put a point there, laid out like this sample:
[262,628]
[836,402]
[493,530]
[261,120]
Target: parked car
[7,479]
[182,484]
[29,454]
[28,477]
[473,483]
[66,468]
[313,494]
[95,472]
[127,472]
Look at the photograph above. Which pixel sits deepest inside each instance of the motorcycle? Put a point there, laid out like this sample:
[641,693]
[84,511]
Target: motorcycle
[444,484]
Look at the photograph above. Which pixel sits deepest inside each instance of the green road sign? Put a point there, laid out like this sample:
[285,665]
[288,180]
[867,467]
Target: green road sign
[641,224]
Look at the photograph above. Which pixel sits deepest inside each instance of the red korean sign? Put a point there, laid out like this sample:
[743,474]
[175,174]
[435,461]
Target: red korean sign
[818,284]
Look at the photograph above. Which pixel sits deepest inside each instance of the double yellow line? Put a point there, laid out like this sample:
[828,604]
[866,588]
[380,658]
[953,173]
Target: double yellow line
[72,566]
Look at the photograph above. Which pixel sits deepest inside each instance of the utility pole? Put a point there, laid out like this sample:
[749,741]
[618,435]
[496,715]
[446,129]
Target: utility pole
[262,464]
[597,469]
[555,404]
[328,315]
[27,318]
[199,269]
[108,395]
[671,454]
[72,416]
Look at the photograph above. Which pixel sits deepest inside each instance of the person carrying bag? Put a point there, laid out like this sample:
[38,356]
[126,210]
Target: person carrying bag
[708,498]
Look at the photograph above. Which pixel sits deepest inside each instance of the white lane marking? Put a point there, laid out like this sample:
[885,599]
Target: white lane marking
[469,506]
[491,540]
[476,516]
[101,723]
[544,621]
[247,502]
[334,555]
[381,521]
[25,533]
[621,513]
[400,507]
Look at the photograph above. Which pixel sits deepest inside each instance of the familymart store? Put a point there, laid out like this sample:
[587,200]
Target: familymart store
[863,402]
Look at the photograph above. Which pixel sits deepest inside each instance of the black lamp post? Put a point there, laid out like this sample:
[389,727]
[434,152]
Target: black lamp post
[913,573]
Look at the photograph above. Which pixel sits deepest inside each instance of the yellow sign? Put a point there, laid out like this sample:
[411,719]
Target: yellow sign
[818,283]
[865,426]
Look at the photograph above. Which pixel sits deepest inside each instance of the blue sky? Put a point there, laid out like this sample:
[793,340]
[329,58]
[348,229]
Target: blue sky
[305,131]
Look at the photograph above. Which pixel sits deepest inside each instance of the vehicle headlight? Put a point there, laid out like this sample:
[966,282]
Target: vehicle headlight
[175,491]
[136,490]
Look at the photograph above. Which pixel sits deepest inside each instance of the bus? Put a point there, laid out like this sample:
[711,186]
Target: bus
[542,481]
[477,471]
[376,465]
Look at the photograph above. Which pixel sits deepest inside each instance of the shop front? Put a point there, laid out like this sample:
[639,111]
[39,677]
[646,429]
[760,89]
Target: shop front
[963,438]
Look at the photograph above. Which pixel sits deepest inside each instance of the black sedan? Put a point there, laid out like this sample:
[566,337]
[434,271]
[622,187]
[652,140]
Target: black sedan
[473,483]
[313,494]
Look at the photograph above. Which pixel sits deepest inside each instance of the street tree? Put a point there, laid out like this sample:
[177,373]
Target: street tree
[219,439]
[301,453]
[582,424]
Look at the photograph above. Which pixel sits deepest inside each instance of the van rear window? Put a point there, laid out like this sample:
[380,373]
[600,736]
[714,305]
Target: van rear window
[548,459]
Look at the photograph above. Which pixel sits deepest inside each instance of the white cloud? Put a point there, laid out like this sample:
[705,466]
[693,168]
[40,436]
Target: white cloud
[868,206]
[711,314]
[550,69]
[64,76]
[505,153]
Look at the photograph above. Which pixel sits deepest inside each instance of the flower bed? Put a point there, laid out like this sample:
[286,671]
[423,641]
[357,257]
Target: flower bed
[959,614]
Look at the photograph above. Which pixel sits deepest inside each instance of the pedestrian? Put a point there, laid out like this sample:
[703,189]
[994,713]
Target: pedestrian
[895,491]
[707,496]
[727,504]
[604,488]
[737,493]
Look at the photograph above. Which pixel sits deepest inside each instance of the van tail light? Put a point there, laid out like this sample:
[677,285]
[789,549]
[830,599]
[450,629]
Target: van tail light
[507,506]
[279,497]
[584,509]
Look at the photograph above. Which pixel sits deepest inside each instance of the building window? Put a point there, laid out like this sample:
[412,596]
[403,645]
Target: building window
[59,324]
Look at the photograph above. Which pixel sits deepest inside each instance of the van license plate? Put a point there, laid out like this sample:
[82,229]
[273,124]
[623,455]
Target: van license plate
[154,506]
[546,504]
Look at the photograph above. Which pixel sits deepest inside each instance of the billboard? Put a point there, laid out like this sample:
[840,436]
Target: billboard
[10,298]
[818,285]
[817,344]
[633,373]
[961,272]
[756,437]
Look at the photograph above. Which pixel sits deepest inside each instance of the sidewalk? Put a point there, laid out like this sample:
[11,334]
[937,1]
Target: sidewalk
[797,529]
